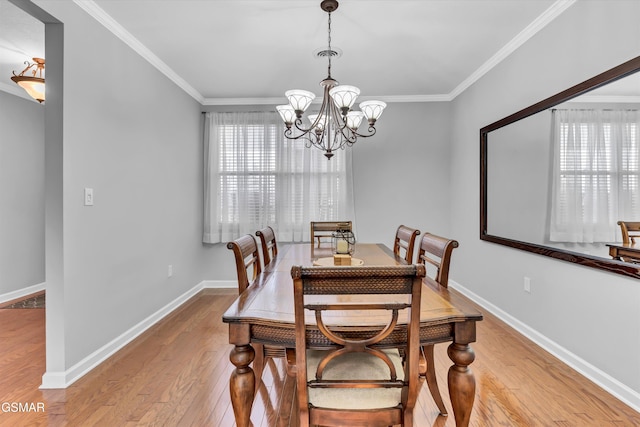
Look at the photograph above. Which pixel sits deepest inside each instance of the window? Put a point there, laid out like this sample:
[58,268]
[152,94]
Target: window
[596,174]
[255,177]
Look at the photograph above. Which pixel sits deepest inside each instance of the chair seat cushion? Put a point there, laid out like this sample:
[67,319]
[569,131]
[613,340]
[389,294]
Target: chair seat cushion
[354,366]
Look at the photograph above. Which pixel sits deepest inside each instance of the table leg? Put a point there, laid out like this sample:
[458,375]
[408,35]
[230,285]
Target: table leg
[242,383]
[462,384]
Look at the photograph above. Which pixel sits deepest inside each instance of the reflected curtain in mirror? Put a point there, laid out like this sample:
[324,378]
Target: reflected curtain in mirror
[595,173]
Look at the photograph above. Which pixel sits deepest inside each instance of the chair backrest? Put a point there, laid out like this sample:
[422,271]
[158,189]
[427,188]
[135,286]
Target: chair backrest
[630,230]
[326,228]
[248,262]
[436,251]
[381,387]
[268,242]
[404,242]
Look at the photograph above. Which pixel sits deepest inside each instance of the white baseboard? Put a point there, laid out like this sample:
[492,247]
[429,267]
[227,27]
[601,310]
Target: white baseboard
[617,389]
[22,292]
[55,380]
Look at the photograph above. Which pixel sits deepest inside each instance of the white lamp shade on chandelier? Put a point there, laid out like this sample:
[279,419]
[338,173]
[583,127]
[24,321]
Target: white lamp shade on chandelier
[300,99]
[287,113]
[318,122]
[344,96]
[372,109]
[354,118]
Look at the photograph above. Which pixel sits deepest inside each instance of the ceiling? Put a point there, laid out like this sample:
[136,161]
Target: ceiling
[21,39]
[252,51]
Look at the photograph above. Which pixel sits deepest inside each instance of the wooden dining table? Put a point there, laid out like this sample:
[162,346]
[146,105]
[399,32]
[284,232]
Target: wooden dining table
[264,314]
[618,251]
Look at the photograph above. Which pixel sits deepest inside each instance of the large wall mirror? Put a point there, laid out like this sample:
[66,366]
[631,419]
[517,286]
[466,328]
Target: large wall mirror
[545,171]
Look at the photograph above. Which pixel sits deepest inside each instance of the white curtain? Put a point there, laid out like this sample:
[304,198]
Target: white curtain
[595,174]
[255,177]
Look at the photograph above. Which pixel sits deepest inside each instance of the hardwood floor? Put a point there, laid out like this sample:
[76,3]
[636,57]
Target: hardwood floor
[177,374]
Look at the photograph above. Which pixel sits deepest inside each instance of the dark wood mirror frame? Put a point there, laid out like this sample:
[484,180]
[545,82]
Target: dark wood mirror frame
[618,267]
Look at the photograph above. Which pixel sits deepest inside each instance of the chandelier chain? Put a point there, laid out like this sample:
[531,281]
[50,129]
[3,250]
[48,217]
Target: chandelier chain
[329,53]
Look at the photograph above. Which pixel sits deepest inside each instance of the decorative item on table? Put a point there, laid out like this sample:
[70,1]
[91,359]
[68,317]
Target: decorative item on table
[341,259]
[343,242]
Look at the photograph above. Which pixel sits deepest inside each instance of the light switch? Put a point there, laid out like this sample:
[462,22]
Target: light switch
[88,196]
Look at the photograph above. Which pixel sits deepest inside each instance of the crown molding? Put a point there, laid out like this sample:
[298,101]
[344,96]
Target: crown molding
[414,98]
[108,22]
[538,24]
[119,31]
[243,101]
[280,100]
[607,99]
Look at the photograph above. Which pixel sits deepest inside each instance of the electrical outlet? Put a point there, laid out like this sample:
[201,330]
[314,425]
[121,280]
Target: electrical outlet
[527,284]
[170,270]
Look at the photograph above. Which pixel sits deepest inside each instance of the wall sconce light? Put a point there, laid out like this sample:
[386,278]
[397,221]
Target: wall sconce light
[34,84]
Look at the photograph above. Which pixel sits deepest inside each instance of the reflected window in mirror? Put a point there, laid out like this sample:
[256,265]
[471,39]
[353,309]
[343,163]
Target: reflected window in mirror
[595,173]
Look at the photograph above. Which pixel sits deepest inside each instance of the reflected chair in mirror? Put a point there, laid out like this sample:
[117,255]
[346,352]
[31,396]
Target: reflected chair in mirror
[434,252]
[248,264]
[325,229]
[268,243]
[630,231]
[347,377]
[404,242]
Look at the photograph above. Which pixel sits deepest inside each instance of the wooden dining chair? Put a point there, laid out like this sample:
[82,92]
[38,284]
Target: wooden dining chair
[349,378]
[325,229]
[248,264]
[630,230]
[404,242]
[436,252]
[268,243]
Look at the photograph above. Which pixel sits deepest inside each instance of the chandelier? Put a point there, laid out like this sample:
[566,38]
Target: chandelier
[34,84]
[336,125]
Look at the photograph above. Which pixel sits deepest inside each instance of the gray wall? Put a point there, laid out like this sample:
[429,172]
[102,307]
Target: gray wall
[134,137]
[594,315]
[401,175]
[21,194]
